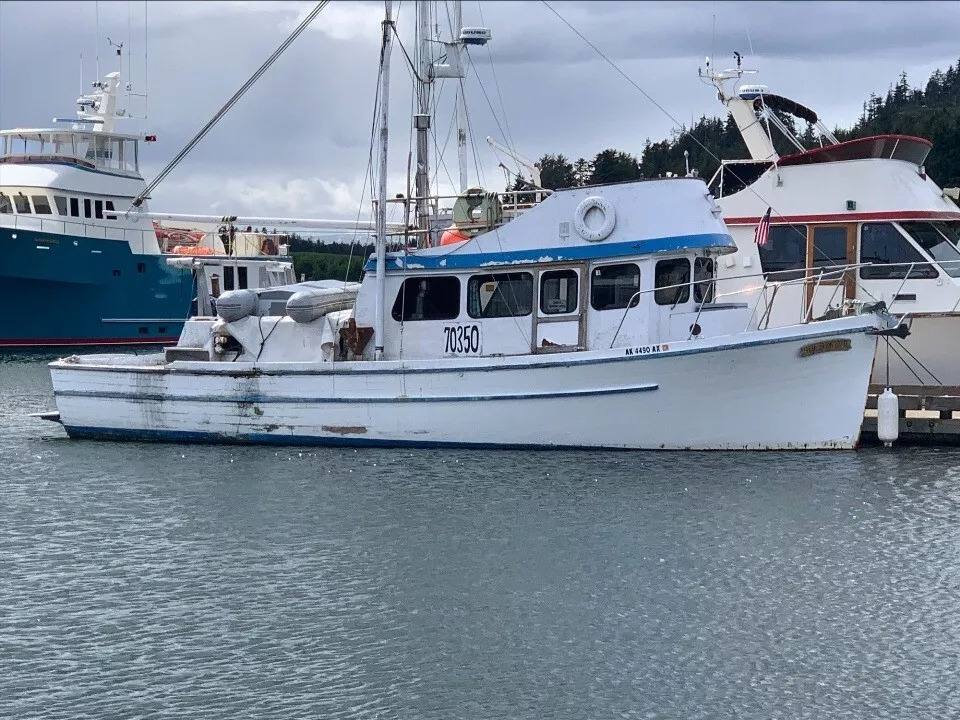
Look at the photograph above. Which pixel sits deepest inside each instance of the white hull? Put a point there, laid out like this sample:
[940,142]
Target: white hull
[753,392]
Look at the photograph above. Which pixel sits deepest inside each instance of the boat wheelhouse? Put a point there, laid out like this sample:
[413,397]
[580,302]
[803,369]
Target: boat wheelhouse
[856,221]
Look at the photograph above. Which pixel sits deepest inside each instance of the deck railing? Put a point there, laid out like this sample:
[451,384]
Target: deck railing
[143,242]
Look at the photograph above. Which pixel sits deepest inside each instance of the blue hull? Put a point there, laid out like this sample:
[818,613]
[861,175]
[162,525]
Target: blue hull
[59,290]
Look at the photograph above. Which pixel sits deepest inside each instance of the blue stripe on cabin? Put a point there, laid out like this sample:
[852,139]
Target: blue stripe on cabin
[592,251]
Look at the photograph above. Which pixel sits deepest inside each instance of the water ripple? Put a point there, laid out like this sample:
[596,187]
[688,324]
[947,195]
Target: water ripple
[146,581]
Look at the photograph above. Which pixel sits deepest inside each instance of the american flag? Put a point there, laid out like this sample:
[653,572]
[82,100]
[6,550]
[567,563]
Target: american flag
[762,233]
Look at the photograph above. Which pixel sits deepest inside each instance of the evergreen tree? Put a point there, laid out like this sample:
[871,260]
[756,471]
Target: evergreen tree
[556,172]
[582,170]
[611,166]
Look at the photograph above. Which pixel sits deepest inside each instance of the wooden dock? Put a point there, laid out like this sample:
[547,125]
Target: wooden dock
[929,414]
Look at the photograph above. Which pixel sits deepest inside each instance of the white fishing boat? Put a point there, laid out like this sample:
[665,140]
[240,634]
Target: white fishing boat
[855,221]
[587,320]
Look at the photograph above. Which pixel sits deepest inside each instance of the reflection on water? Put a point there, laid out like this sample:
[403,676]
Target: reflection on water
[184,581]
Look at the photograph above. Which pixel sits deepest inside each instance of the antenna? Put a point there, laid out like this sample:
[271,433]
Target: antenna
[146,86]
[738,57]
[97,43]
[129,74]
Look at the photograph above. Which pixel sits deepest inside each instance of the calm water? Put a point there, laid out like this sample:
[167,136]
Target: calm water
[143,580]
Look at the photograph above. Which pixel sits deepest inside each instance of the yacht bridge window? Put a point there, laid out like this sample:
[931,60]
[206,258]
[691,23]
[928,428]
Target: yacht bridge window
[61,202]
[5,205]
[890,254]
[939,240]
[784,257]
[614,287]
[22,204]
[101,151]
[500,295]
[829,246]
[428,298]
[672,281]
[41,205]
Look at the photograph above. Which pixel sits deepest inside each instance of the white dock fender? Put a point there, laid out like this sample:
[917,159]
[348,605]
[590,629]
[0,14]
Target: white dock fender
[609,218]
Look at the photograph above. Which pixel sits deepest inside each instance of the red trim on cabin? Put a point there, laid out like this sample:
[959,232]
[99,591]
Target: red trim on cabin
[55,342]
[848,217]
[848,150]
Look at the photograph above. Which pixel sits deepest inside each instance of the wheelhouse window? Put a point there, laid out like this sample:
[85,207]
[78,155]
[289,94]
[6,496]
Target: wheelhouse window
[228,278]
[614,287]
[75,207]
[938,239]
[98,209]
[829,247]
[672,281]
[558,292]
[61,202]
[890,254]
[784,256]
[22,204]
[41,205]
[428,298]
[242,278]
[6,207]
[500,295]
[703,285]
[109,207]
[87,208]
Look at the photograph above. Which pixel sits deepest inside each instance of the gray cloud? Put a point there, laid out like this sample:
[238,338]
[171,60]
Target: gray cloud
[297,144]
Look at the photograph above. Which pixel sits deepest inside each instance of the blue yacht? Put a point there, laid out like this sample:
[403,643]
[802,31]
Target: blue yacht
[76,268]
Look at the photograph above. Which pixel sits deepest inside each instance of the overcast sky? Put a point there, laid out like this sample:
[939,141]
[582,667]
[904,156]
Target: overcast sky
[297,144]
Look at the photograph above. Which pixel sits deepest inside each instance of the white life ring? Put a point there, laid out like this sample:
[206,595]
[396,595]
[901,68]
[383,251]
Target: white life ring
[609,218]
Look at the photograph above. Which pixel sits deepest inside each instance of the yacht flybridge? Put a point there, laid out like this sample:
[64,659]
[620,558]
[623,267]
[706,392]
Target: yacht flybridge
[587,320]
[850,222]
[76,267]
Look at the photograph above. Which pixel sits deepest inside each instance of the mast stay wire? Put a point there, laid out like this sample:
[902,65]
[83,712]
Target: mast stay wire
[138,201]
[496,82]
[493,112]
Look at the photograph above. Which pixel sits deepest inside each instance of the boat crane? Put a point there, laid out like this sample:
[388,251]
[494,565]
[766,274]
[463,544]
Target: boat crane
[530,166]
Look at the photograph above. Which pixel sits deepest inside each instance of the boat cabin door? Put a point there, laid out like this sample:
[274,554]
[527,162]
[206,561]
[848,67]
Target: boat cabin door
[829,247]
[560,313]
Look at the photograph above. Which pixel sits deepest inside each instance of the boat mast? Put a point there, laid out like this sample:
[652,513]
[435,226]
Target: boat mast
[461,101]
[421,121]
[381,207]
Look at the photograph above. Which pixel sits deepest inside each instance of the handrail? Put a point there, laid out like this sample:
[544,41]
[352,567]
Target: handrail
[505,193]
[139,240]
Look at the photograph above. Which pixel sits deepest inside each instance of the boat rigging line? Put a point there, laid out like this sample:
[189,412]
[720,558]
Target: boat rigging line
[496,83]
[138,201]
